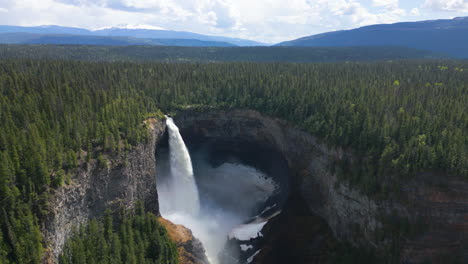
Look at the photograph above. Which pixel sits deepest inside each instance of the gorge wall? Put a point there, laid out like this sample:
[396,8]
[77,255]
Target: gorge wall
[125,179]
[319,209]
[438,203]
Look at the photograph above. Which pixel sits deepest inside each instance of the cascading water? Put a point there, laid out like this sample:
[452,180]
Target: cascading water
[230,193]
[185,196]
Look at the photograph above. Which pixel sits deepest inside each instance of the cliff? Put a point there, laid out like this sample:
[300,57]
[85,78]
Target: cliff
[320,208]
[126,179]
[437,202]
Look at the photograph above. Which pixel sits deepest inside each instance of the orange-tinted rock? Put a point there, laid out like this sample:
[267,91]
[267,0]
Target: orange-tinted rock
[190,249]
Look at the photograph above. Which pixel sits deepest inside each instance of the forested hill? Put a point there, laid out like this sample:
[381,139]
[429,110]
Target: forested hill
[446,35]
[213,54]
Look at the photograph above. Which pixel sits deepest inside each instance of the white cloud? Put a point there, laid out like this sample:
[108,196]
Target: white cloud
[459,6]
[263,20]
[415,12]
[386,3]
[359,15]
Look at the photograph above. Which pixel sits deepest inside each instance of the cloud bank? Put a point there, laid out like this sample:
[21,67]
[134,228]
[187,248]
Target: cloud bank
[262,20]
[447,5]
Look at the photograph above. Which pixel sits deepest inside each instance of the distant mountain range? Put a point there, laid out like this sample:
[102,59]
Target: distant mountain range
[445,36]
[169,34]
[114,36]
[449,36]
[63,39]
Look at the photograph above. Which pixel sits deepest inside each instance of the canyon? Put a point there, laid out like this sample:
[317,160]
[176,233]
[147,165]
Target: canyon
[319,211]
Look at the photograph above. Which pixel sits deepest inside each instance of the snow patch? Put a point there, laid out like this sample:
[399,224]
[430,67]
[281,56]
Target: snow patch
[247,231]
[245,247]
[133,26]
[267,208]
[249,260]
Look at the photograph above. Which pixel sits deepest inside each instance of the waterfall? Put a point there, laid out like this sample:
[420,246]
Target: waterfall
[230,192]
[184,192]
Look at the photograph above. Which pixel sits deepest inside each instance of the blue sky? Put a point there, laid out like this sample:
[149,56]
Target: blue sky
[269,21]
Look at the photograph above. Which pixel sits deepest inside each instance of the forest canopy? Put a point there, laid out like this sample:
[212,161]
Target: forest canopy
[399,118]
[126,237]
[214,54]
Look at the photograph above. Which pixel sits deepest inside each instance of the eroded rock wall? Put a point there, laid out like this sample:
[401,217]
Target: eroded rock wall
[351,215]
[127,178]
[309,160]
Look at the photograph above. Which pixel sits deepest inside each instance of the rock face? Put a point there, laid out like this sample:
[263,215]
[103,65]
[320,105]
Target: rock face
[190,249]
[297,225]
[442,207]
[125,180]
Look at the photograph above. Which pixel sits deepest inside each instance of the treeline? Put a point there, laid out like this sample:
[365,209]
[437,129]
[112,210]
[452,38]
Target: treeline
[213,54]
[398,118]
[131,238]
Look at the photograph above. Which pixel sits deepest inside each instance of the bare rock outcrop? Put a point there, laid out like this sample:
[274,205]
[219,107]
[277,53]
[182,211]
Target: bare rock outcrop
[190,249]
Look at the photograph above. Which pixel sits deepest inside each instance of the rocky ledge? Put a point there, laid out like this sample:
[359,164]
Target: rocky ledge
[190,249]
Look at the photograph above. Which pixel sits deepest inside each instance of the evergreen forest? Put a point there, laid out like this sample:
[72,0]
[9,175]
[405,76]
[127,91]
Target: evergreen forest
[129,237]
[214,54]
[401,119]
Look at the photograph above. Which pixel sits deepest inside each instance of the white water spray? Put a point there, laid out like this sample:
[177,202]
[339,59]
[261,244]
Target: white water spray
[231,192]
[182,183]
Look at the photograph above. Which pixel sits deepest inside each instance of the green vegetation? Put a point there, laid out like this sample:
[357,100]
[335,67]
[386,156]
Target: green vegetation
[212,54]
[130,238]
[52,121]
[398,118]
